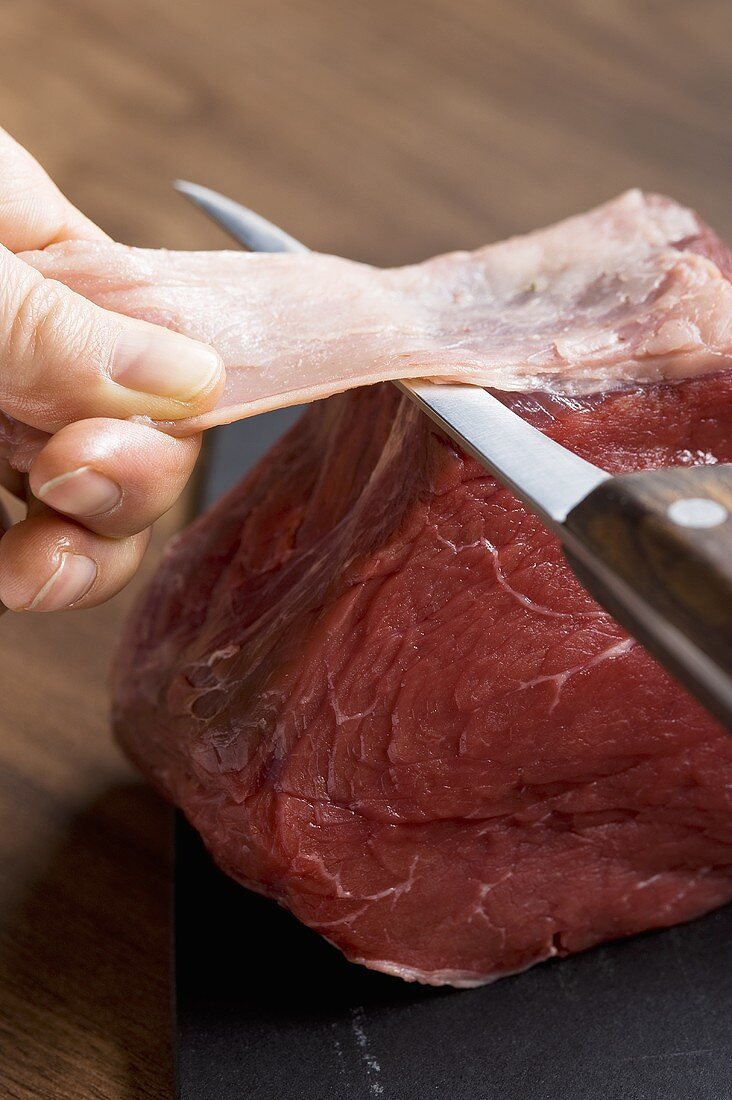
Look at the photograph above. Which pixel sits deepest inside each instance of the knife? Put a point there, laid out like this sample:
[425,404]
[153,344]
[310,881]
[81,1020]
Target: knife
[654,548]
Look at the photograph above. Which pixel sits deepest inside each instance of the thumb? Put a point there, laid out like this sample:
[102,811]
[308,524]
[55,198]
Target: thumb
[64,359]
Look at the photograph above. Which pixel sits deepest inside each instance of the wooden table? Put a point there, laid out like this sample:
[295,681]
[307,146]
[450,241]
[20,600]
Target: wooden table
[387,131]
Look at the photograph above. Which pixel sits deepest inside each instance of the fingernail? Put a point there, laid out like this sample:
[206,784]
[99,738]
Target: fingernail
[71,580]
[82,492]
[156,361]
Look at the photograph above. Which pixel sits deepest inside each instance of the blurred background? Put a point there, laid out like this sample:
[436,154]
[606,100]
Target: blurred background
[385,131]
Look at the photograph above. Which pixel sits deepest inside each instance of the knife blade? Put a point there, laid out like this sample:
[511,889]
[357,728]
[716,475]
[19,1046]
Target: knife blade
[654,548]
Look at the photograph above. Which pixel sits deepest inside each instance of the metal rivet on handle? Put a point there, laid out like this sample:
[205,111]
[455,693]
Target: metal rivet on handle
[697,512]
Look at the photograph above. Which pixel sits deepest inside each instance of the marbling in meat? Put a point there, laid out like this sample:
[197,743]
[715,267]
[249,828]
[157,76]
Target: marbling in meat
[631,291]
[374,686]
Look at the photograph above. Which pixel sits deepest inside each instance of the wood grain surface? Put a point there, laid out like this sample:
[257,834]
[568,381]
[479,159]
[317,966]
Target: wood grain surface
[386,131]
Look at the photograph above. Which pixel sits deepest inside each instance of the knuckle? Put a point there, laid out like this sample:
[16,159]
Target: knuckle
[46,321]
[46,331]
[20,302]
[33,307]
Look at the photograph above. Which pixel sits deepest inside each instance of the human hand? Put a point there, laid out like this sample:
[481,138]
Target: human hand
[78,371]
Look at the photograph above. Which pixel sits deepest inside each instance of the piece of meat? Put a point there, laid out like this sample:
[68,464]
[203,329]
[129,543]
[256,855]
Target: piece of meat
[631,291]
[374,686]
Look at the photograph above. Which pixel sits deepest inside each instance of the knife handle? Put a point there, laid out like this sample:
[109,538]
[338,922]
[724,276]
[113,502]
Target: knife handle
[666,535]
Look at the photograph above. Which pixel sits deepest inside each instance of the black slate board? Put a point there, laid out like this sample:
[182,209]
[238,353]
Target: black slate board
[267,1010]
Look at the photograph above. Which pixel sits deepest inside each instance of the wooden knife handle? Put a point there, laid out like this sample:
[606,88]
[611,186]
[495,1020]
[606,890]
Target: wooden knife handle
[667,534]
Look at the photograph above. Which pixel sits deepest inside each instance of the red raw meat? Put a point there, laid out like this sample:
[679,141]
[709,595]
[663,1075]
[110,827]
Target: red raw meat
[374,686]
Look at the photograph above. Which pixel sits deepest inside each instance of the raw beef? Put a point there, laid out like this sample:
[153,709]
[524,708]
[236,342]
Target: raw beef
[368,676]
[631,291]
[372,683]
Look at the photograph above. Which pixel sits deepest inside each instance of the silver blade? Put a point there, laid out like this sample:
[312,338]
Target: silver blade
[547,477]
[246,227]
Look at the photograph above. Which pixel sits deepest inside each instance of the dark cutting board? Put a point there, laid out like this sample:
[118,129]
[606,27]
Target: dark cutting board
[267,1010]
